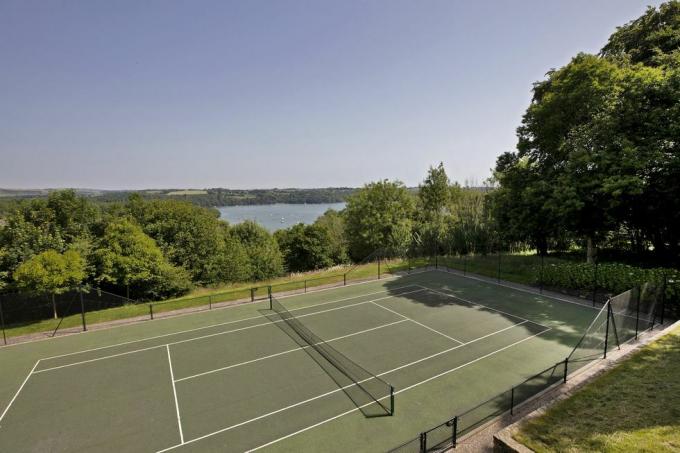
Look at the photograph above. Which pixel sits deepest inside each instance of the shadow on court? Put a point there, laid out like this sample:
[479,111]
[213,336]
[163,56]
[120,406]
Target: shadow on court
[366,392]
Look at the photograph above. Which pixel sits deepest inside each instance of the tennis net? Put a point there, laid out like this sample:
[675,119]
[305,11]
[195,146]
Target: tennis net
[370,385]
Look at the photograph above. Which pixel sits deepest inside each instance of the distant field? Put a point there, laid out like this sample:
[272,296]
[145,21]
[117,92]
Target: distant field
[188,192]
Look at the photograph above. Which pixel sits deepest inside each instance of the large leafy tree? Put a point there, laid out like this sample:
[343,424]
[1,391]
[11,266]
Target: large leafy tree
[52,273]
[305,247]
[379,216]
[266,260]
[128,258]
[193,237]
[334,223]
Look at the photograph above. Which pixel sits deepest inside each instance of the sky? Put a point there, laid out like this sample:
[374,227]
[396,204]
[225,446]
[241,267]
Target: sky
[262,94]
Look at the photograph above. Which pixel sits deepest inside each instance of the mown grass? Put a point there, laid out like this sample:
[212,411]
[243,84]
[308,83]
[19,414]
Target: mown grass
[634,407]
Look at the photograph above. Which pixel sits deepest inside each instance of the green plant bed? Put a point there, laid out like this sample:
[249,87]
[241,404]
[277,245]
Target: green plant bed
[633,407]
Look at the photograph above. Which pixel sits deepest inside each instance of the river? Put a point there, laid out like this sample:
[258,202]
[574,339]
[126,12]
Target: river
[276,216]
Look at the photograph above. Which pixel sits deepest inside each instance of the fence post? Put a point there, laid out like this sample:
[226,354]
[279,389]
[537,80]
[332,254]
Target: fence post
[566,365]
[252,294]
[663,296]
[594,283]
[305,285]
[151,311]
[378,268]
[455,431]
[436,260]
[210,302]
[606,331]
[2,323]
[637,311]
[512,401]
[499,264]
[541,275]
[82,309]
[344,279]
[465,264]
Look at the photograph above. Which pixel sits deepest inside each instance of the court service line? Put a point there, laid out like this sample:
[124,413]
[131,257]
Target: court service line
[217,370]
[240,329]
[174,392]
[211,325]
[18,391]
[419,323]
[397,392]
[481,305]
[229,428]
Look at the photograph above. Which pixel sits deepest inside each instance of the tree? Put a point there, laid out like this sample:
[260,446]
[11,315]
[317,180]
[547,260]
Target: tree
[52,273]
[128,258]
[436,195]
[194,238]
[305,247]
[334,223]
[266,260]
[379,216]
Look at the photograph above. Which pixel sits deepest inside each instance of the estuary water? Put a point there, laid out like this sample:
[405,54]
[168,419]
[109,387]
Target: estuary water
[276,216]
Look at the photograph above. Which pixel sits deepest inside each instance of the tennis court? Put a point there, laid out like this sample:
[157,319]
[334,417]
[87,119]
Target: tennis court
[239,379]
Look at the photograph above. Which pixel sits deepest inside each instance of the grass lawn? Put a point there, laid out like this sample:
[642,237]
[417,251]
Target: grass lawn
[634,407]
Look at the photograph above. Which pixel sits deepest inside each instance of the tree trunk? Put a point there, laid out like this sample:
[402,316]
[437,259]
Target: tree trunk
[591,250]
[54,307]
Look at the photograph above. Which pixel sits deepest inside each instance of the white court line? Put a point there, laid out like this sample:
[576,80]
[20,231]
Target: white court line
[287,351]
[216,308]
[210,326]
[524,290]
[481,305]
[240,329]
[337,390]
[18,391]
[174,392]
[397,392]
[419,323]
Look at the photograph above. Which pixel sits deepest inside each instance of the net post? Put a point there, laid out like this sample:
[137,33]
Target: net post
[566,366]
[455,432]
[2,323]
[151,311]
[512,401]
[391,400]
[423,442]
[606,333]
[637,311]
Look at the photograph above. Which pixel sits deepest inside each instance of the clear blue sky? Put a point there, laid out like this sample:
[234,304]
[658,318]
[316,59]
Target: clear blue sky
[254,94]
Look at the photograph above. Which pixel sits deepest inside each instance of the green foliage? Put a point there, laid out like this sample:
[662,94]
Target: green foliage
[597,151]
[266,260]
[51,272]
[379,216]
[613,278]
[305,247]
[194,238]
[128,258]
[334,223]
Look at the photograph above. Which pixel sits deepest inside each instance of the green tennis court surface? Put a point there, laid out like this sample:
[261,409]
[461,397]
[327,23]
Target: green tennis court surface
[235,379]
